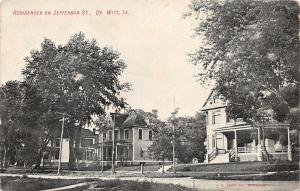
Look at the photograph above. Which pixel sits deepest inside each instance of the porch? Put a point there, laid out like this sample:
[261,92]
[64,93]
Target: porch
[245,144]
[122,152]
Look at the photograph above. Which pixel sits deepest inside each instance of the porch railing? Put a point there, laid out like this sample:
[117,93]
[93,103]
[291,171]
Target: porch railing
[212,154]
[232,154]
[246,149]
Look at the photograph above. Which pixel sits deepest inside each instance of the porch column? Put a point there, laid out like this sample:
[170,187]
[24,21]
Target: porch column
[235,145]
[289,145]
[133,143]
[216,141]
[259,150]
[116,152]
[106,153]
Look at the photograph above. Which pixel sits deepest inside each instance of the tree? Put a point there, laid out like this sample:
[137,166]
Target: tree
[78,78]
[251,54]
[9,115]
[189,136]
[192,138]
[24,119]
[102,124]
[161,148]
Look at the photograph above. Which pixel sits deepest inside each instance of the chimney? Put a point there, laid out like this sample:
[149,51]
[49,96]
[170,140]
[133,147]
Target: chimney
[154,112]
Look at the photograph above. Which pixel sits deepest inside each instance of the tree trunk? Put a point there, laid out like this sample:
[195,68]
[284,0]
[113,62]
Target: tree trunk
[72,158]
[39,158]
[4,156]
[267,157]
[163,166]
[73,150]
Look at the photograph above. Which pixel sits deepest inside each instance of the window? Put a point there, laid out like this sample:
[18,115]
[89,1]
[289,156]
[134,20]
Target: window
[46,156]
[216,117]
[104,135]
[57,142]
[56,155]
[87,142]
[150,135]
[227,119]
[89,155]
[126,134]
[140,134]
[207,118]
[116,135]
[121,134]
[110,135]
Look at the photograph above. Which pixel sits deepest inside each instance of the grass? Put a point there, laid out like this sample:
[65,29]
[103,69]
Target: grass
[121,185]
[25,184]
[138,168]
[276,166]
[33,184]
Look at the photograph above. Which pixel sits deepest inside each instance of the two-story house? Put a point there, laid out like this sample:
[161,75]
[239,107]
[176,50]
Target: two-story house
[88,152]
[132,137]
[234,140]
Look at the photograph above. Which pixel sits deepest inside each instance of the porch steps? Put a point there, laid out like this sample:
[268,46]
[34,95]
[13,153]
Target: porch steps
[220,158]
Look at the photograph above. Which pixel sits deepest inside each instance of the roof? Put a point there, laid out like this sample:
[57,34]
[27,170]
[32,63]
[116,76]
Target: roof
[87,133]
[213,102]
[134,119]
[120,119]
[208,98]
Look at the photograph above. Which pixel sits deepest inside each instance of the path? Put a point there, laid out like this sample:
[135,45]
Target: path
[69,187]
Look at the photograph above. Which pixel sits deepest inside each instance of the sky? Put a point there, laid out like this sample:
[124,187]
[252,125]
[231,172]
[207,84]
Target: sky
[153,39]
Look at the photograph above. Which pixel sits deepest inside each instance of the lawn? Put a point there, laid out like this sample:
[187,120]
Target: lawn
[34,184]
[121,185]
[138,168]
[275,166]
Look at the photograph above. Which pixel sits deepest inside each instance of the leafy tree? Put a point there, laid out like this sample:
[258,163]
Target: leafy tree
[161,148]
[189,136]
[102,124]
[10,114]
[250,54]
[24,121]
[78,78]
[192,138]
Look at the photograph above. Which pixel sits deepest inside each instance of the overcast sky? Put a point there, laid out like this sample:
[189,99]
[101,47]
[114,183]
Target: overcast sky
[153,39]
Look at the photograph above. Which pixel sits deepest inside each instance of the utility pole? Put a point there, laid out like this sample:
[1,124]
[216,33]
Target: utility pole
[174,170]
[3,158]
[113,144]
[61,138]
[102,150]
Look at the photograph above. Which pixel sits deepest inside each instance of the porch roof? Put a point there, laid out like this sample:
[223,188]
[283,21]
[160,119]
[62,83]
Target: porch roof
[248,126]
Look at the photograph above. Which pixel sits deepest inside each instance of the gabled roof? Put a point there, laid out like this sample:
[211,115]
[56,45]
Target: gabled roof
[134,120]
[213,102]
[208,98]
[120,119]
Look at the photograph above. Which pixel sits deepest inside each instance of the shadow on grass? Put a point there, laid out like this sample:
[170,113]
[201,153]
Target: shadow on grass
[122,185]
[33,184]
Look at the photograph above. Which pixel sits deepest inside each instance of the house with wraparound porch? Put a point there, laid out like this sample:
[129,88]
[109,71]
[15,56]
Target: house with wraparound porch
[234,140]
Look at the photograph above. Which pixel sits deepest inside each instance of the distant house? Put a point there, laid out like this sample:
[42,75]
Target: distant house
[87,146]
[231,140]
[132,137]
[87,149]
